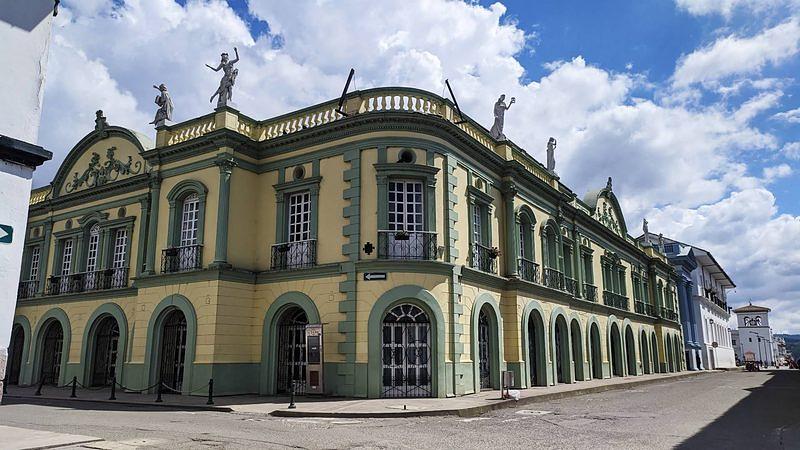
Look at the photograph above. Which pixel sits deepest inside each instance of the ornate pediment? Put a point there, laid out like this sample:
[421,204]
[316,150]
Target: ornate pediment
[606,210]
[606,215]
[98,173]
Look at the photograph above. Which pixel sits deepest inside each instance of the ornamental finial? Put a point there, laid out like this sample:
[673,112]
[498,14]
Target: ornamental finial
[99,120]
[608,184]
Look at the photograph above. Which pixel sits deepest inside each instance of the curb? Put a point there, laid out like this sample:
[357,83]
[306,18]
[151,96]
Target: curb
[122,402]
[478,410]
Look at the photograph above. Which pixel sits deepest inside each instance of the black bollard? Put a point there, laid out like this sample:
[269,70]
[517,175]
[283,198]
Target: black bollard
[74,384]
[113,389]
[39,388]
[158,398]
[210,392]
[291,399]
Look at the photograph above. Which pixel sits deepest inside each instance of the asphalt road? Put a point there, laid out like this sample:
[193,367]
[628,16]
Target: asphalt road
[716,410]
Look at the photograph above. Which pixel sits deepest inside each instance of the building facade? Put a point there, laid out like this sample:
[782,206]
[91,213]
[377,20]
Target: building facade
[395,251]
[756,342]
[705,315]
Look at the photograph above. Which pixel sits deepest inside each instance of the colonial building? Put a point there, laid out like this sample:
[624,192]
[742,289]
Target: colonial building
[756,341]
[394,250]
[703,299]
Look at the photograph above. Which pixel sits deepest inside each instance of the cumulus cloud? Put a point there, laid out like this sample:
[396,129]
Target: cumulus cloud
[791,150]
[791,116]
[736,55]
[726,8]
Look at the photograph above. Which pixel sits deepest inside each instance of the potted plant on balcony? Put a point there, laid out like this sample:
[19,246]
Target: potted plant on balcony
[283,248]
[401,235]
[494,252]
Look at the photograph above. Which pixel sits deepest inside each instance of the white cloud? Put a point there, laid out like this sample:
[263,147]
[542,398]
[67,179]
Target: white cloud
[734,55]
[773,173]
[726,8]
[791,116]
[791,150]
[670,156]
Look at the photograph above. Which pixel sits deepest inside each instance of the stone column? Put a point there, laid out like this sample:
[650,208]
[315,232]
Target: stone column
[226,163]
[509,192]
[144,218]
[577,267]
[44,257]
[155,196]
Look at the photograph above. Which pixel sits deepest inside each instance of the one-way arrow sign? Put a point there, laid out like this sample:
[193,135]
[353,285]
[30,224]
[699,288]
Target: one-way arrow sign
[6,234]
[373,276]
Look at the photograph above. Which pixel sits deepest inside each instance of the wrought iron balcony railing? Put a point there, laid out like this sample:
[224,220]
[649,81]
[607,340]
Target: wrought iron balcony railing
[420,245]
[484,258]
[552,278]
[590,292]
[615,300]
[528,270]
[668,314]
[294,255]
[182,259]
[571,286]
[96,280]
[27,289]
[644,308]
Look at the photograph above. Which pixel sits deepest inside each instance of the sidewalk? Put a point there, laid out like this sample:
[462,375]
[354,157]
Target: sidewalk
[22,438]
[468,405]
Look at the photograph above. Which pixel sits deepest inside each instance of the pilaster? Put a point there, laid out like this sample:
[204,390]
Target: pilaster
[155,196]
[226,163]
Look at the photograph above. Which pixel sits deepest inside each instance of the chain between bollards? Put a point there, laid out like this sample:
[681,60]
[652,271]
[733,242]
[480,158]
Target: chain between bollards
[74,385]
[210,392]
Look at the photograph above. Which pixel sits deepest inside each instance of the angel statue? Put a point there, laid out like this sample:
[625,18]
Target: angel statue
[499,117]
[164,102]
[225,91]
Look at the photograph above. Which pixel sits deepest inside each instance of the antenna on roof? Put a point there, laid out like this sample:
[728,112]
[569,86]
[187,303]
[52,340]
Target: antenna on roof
[453,96]
[344,92]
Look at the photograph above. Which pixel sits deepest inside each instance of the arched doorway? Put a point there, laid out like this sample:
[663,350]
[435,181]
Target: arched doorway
[630,351]
[15,349]
[104,352]
[676,346]
[52,348]
[173,350]
[536,349]
[577,350]
[597,357]
[616,352]
[485,349]
[291,352]
[406,353]
[645,351]
[670,356]
[654,351]
[561,358]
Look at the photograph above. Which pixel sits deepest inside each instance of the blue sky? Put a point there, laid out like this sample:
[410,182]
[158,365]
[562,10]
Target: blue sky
[690,105]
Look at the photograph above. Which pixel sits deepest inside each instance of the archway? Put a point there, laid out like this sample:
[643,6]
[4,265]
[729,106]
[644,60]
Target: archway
[669,355]
[406,349]
[616,352]
[52,349]
[577,350]
[654,351]
[645,351]
[15,350]
[630,351]
[291,350]
[536,349]
[105,338]
[173,350]
[597,357]
[488,347]
[676,346]
[561,350]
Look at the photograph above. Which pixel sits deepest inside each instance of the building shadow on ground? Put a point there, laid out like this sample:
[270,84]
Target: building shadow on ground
[769,417]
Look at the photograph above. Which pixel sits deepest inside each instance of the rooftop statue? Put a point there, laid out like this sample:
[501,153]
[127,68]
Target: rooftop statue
[661,242]
[164,102]
[551,157]
[499,117]
[646,233]
[224,92]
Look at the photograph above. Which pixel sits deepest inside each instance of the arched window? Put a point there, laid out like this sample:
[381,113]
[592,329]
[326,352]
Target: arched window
[526,264]
[189,220]
[92,251]
[186,222]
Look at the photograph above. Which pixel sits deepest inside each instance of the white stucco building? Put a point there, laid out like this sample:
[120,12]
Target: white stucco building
[756,342]
[25,37]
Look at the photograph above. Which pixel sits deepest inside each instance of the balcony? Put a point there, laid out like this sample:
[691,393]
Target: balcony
[528,270]
[97,280]
[590,292]
[409,245]
[27,289]
[644,308]
[484,258]
[668,314]
[294,255]
[615,300]
[571,286]
[182,259]
[552,278]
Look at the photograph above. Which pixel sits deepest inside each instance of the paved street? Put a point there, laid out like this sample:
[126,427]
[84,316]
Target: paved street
[716,410]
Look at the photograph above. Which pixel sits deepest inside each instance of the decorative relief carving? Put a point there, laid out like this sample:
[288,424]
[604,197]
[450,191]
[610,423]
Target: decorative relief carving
[606,217]
[98,174]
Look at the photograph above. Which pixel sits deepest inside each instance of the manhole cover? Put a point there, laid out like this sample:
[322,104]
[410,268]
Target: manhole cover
[532,412]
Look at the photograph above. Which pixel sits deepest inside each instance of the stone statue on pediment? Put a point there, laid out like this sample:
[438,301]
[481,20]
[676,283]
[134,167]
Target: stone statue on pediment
[224,92]
[164,102]
[646,233]
[551,157]
[500,109]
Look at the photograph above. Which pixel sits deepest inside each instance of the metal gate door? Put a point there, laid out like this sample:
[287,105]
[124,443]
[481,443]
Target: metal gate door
[51,355]
[483,351]
[15,357]
[406,353]
[173,350]
[292,351]
[105,352]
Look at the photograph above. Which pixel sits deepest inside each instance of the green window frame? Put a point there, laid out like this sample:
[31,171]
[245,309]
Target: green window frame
[385,172]
[176,197]
[282,193]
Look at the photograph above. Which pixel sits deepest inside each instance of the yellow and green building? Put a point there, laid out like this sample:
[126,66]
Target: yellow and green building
[394,250]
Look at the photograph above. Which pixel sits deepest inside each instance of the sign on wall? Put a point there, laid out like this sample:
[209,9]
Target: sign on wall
[6,234]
